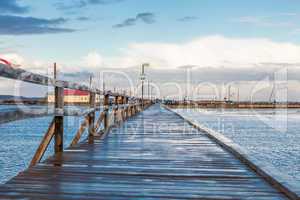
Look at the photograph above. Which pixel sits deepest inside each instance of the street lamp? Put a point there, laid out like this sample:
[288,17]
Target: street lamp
[143,78]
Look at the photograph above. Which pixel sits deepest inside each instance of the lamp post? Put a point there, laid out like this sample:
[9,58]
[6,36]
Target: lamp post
[151,90]
[143,78]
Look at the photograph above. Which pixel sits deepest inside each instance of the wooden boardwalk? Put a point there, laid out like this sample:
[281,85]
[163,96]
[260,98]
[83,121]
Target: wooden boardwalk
[154,155]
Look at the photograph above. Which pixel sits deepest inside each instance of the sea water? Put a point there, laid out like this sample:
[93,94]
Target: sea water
[20,139]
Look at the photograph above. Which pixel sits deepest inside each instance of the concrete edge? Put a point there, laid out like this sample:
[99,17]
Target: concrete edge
[276,179]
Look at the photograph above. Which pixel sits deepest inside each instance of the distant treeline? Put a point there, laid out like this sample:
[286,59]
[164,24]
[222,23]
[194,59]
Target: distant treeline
[8,99]
[18,114]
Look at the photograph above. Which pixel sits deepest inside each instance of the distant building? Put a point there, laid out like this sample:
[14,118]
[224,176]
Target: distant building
[73,96]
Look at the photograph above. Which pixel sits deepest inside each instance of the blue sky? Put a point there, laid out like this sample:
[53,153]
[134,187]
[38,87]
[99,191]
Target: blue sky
[226,39]
[274,19]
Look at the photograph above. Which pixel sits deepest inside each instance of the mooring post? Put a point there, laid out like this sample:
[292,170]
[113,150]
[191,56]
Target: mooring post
[106,110]
[129,108]
[125,102]
[92,114]
[136,102]
[116,107]
[123,108]
[59,115]
[133,107]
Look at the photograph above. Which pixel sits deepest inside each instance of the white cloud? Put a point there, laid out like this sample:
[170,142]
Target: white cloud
[14,58]
[295,32]
[289,14]
[266,21]
[211,51]
[93,60]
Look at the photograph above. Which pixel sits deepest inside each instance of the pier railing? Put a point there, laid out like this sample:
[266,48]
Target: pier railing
[123,107]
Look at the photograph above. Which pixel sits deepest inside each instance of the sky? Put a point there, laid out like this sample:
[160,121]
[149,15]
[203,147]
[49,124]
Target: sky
[220,42]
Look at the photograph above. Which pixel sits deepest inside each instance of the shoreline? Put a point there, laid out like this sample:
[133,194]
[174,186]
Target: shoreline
[233,105]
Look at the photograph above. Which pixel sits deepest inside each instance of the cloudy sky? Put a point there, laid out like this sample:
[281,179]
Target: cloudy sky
[217,42]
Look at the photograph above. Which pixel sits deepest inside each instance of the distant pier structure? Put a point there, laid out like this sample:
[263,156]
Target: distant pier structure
[231,104]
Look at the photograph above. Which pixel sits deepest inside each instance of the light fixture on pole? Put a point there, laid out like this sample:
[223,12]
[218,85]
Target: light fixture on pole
[143,78]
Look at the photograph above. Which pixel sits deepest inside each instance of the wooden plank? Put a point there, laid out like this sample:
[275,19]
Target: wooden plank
[239,154]
[43,145]
[153,155]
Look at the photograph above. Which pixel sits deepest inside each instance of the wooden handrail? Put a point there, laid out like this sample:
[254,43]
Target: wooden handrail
[56,128]
[29,77]
[131,111]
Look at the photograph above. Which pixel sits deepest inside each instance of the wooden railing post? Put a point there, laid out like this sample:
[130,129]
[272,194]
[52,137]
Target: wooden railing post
[116,108]
[123,108]
[92,117]
[56,129]
[59,117]
[129,108]
[106,110]
[126,107]
[134,107]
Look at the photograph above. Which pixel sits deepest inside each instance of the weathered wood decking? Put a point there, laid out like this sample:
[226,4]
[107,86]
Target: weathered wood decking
[154,155]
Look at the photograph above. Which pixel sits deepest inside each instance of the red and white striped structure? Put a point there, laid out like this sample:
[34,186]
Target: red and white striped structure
[5,62]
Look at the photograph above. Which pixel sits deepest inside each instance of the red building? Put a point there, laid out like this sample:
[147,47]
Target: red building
[73,96]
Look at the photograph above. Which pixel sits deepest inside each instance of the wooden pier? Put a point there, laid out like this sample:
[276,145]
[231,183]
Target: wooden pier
[154,155]
[134,150]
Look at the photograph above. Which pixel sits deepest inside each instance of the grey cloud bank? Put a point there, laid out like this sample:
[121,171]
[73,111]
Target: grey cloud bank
[17,25]
[12,23]
[12,6]
[188,19]
[77,4]
[147,18]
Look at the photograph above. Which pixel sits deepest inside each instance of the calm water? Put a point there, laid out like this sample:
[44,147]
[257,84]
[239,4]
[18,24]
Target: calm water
[20,139]
[272,136]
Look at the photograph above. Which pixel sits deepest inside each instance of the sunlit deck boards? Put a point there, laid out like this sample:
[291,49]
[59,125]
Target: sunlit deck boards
[152,156]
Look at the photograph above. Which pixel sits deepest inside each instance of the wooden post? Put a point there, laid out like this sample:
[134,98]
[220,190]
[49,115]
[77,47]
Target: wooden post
[123,108]
[92,114]
[116,107]
[92,118]
[59,117]
[54,71]
[129,108]
[134,108]
[106,110]
[126,107]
